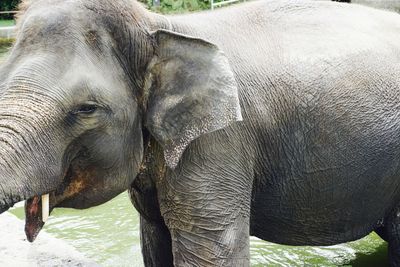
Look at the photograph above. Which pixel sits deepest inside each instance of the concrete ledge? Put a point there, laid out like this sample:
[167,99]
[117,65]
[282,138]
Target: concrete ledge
[7,32]
[15,250]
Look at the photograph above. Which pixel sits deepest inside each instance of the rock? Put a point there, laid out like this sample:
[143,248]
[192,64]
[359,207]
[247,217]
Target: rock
[15,250]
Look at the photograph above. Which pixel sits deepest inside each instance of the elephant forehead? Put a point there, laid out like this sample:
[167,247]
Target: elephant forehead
[45,22]
[97,77]
[57,25]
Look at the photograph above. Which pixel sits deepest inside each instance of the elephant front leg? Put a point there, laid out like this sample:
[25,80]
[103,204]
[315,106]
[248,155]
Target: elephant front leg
[209,223]
[156,244]
[154,235]
[210,244]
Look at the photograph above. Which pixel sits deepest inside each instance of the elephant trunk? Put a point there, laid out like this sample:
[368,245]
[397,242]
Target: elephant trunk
[30,163]
[14,185]
[26,170]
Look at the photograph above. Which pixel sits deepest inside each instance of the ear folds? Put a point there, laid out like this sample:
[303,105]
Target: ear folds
[191,91]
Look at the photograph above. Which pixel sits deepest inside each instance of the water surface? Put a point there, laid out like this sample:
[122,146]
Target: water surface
[109,234]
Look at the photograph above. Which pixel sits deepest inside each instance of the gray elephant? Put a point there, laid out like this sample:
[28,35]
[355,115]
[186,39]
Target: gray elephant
[277,119]
[384,4]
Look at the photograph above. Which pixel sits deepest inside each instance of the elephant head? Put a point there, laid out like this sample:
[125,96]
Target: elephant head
[85,85]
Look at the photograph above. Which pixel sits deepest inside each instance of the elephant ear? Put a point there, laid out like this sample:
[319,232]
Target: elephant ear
[190,91]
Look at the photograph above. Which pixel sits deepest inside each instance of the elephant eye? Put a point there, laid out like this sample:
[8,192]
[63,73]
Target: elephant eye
[85,109]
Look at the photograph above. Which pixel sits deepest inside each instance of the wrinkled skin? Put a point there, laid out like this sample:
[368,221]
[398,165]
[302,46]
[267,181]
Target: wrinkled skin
[282,122]
[384,4]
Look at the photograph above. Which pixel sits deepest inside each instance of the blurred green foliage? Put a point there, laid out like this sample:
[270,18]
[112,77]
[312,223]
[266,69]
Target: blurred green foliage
[8,5]
[178,6]
[166,6]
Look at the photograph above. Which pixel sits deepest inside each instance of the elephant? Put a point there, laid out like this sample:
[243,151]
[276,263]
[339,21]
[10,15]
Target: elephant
[277,119]
[384,4]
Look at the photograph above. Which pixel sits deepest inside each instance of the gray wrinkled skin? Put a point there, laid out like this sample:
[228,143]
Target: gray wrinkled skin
[384,4]
[276,118]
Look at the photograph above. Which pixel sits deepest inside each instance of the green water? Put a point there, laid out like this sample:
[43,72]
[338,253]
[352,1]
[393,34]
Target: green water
[109,234]
[7,23]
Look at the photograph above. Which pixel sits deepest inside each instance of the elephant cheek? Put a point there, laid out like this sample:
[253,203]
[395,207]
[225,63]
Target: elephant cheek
[79,180]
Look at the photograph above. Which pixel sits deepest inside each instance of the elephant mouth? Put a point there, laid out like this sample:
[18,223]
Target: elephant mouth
[38,208]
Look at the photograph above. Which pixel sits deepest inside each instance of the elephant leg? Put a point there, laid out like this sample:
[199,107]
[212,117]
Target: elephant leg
[207,244]
[392,234]
[208,218]
[156,244]
[154,235]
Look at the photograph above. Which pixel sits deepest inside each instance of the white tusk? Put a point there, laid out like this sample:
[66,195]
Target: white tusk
[45,207]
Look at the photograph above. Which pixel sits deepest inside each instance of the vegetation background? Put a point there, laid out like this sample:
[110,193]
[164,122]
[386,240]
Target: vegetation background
[166,6]
[8,5]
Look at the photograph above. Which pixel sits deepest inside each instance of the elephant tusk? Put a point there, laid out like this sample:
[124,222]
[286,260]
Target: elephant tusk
[45,207]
